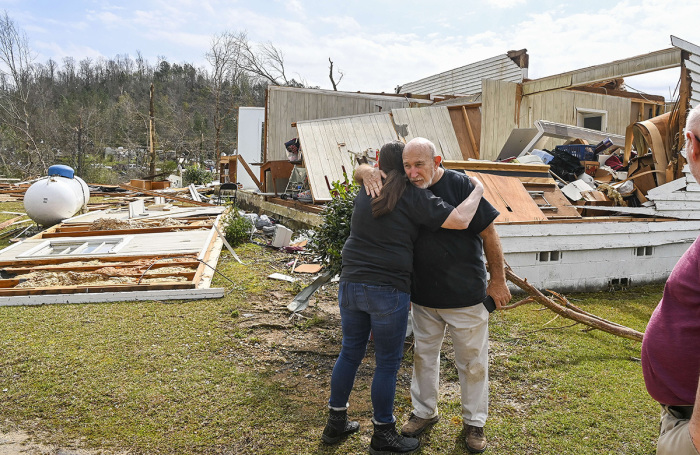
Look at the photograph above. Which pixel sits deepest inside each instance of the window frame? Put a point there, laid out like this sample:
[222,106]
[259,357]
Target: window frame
[75,247]
[584,112]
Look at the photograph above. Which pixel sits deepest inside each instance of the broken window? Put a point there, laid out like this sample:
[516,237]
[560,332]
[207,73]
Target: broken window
[78,247]
[593,119]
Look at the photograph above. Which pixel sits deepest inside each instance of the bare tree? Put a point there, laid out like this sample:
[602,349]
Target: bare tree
[225,57]
[335,84]
[16,69]
[265,62]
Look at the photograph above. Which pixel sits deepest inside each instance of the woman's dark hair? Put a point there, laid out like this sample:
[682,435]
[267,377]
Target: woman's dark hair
[391,162]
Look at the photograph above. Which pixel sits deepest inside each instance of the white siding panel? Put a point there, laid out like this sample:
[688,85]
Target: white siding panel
[466,79]
[432,123]
[332,144]
[592,254]
[287,105]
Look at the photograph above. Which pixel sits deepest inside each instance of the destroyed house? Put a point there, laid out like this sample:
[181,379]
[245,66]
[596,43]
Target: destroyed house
[582,241]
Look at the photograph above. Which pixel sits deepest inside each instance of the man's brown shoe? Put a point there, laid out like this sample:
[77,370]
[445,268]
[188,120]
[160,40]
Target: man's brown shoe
[475,438]
[417,425]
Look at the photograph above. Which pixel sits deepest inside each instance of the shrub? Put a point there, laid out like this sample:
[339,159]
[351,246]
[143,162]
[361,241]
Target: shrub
[197,175]
[328,240]
[237,228]
[97,173]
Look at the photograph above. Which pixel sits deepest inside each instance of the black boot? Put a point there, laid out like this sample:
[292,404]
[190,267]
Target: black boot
[386,441]
[338,426]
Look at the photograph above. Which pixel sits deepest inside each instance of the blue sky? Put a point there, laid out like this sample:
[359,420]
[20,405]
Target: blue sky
[377,44]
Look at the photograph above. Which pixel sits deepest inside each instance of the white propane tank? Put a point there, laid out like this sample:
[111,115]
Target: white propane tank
[52,199]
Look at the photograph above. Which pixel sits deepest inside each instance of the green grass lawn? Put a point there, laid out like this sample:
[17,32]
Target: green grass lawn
[234,375]
[11,231]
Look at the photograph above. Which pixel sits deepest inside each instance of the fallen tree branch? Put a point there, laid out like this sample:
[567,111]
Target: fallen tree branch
[564,308]
[517,304]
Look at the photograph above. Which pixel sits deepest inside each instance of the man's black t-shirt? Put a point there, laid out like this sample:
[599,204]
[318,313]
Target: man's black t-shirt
[380,250]
[448,265]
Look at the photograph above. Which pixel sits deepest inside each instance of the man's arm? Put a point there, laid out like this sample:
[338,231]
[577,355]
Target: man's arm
[497,288]
[371,177]
[463,214]
[694,423]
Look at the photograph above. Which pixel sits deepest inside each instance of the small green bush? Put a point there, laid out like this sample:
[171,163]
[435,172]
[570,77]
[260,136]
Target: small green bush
[237,228]
[196,174]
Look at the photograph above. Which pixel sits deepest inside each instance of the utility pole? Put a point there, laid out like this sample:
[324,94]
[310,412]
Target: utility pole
[152,135]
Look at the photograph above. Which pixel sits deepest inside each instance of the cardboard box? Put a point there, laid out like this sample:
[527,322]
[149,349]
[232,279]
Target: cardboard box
[639,165]
[160,185]
[592,199]
[143,184]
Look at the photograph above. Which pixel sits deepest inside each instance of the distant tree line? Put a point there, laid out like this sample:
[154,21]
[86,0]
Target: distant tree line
[70,111]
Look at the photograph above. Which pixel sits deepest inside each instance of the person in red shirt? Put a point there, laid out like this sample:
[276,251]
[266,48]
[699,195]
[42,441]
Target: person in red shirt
[671,346]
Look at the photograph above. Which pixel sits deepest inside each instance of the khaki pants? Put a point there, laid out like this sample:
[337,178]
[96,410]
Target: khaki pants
[469,330]
[674,437]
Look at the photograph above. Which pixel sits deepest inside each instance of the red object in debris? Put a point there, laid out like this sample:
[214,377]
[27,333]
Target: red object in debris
[614,162]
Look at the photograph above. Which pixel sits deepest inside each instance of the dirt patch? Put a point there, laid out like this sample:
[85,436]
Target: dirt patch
[21,443]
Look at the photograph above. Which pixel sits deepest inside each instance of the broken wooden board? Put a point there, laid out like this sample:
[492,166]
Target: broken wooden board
[114,296]
[307,268]
[509,196]
[552,195]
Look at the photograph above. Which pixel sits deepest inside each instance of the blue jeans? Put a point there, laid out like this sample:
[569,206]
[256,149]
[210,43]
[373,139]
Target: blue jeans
[383,311]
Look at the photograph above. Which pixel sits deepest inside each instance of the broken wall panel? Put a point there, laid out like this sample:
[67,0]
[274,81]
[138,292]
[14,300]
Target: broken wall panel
[498,116]
[331,145]
[433,123]
[501,114]
[466,122]
[287,105]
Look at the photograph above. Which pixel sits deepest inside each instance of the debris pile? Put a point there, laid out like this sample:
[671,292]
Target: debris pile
[596,177]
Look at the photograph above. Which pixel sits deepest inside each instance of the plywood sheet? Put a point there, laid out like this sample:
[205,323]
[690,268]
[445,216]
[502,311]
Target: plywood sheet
[509,196]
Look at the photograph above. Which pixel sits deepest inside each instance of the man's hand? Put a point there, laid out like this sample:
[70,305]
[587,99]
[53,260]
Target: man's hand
[371,178]
[498,290]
